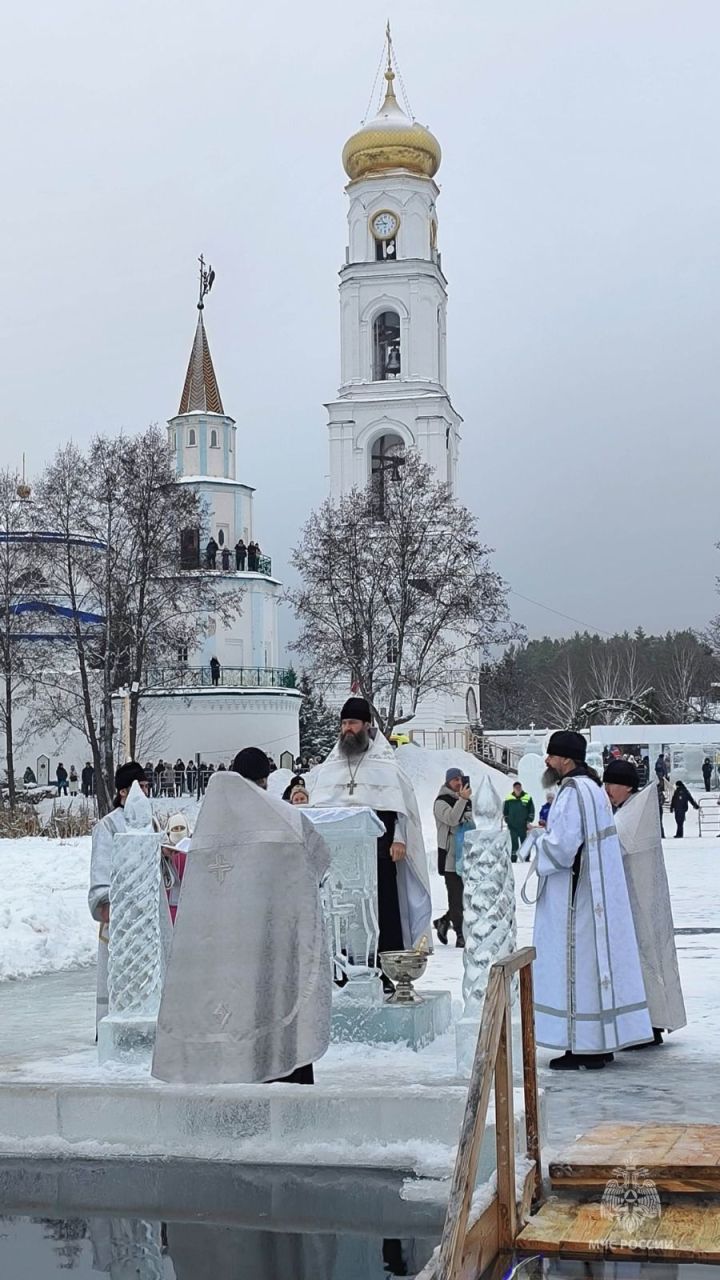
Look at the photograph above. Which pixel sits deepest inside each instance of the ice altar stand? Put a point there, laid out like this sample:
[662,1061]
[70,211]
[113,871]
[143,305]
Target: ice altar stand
[360,1010]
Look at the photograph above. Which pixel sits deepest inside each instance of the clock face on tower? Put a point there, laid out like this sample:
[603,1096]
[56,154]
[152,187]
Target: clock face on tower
[384,225]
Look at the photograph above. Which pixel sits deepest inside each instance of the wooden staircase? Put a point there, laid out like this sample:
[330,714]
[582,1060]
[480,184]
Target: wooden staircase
[641,1191]
[648,1192]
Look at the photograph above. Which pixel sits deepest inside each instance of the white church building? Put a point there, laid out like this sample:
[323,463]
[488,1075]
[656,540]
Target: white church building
[251,700]
[393,331]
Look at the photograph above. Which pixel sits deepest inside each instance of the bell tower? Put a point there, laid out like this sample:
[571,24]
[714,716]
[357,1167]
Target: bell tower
[393,306]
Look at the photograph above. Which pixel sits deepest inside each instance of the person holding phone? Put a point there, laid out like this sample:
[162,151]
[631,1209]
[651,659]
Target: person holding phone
[452,811]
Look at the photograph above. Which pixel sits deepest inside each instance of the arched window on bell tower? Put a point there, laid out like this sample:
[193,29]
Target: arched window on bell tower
[386,459]
[386,346]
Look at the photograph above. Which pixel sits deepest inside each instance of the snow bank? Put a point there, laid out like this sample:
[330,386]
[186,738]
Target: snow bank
[45,924]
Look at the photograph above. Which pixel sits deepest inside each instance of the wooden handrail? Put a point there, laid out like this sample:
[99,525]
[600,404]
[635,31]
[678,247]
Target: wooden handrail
[493,1060]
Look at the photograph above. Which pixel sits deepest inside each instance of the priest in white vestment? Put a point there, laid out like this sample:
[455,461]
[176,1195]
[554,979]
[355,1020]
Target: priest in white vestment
[589,991]
[637,818]
[248,992]
[362,770]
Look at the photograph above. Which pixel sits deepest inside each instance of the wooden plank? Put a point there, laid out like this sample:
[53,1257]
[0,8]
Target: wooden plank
[684,1159]
[481,1246]
[505,1129]
[516,960]
[689,1231]
[473,1128]
[530,1084]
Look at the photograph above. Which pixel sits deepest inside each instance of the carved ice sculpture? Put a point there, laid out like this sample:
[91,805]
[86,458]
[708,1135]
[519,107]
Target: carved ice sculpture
[488,911]
[135,946]
[350,895]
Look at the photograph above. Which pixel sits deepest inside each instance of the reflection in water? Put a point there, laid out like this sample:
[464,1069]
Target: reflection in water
[140,1249]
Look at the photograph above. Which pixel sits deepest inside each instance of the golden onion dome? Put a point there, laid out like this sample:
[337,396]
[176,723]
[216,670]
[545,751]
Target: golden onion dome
[391,141]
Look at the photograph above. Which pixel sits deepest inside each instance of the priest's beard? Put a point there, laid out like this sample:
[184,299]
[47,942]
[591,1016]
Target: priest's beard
[353,744]
[550,778]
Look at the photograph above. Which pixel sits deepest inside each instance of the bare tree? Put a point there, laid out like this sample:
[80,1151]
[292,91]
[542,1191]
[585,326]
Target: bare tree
[679,682]
[398,601]
[118,514]
[563,698]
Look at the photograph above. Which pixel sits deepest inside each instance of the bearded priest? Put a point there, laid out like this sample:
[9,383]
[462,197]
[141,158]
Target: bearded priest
[589,989]
[362,770]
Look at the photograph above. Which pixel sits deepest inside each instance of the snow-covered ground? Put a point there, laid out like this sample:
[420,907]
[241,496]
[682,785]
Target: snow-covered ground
[45,928]
[45,925]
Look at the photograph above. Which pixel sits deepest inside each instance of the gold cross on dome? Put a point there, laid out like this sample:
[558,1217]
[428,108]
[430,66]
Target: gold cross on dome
[220,868]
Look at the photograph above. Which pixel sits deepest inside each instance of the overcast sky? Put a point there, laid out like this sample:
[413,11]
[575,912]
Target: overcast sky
[579,227]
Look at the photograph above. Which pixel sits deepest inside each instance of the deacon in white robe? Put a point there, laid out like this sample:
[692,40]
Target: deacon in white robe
[637,818]
[589,992]
[362,770]
[248,991]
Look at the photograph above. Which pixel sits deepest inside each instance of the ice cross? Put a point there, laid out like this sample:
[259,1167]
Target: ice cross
[220,868]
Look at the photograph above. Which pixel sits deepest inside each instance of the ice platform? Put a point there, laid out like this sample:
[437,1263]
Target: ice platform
[415,1025]
[395,1127]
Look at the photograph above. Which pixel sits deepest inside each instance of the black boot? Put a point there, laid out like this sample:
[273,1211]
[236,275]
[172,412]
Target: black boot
[580,1061]
[441,926]
[647,1044]
[460,941]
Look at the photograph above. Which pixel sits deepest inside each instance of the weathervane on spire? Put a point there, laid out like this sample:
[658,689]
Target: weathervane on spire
[207,278]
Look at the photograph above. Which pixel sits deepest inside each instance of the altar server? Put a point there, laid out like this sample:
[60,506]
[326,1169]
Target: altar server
[589,991]
[637,819]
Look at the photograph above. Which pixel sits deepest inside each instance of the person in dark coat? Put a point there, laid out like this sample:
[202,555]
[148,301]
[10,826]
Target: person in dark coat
[661,802]
[681,800]
[225,557]
[87,777]
[707,772]
[179,776]
[240,554]
[211,551]
[61,777]
[190,776]
[214,670]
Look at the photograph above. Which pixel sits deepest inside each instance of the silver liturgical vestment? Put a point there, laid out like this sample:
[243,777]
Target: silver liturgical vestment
[248,991]
[638,827]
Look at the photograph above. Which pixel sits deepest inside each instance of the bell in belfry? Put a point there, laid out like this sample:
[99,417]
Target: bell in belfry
[393,362]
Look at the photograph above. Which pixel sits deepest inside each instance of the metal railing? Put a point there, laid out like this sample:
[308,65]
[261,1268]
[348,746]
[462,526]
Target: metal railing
[184,677]
[263,564]
[493,753]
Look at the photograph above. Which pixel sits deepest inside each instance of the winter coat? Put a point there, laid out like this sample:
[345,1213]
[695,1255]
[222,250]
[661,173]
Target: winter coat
[519,812]
[707,770]
[61,773]
[681,799]
[449,811]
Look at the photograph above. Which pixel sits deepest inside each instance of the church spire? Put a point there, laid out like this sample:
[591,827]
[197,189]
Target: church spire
[200,392]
